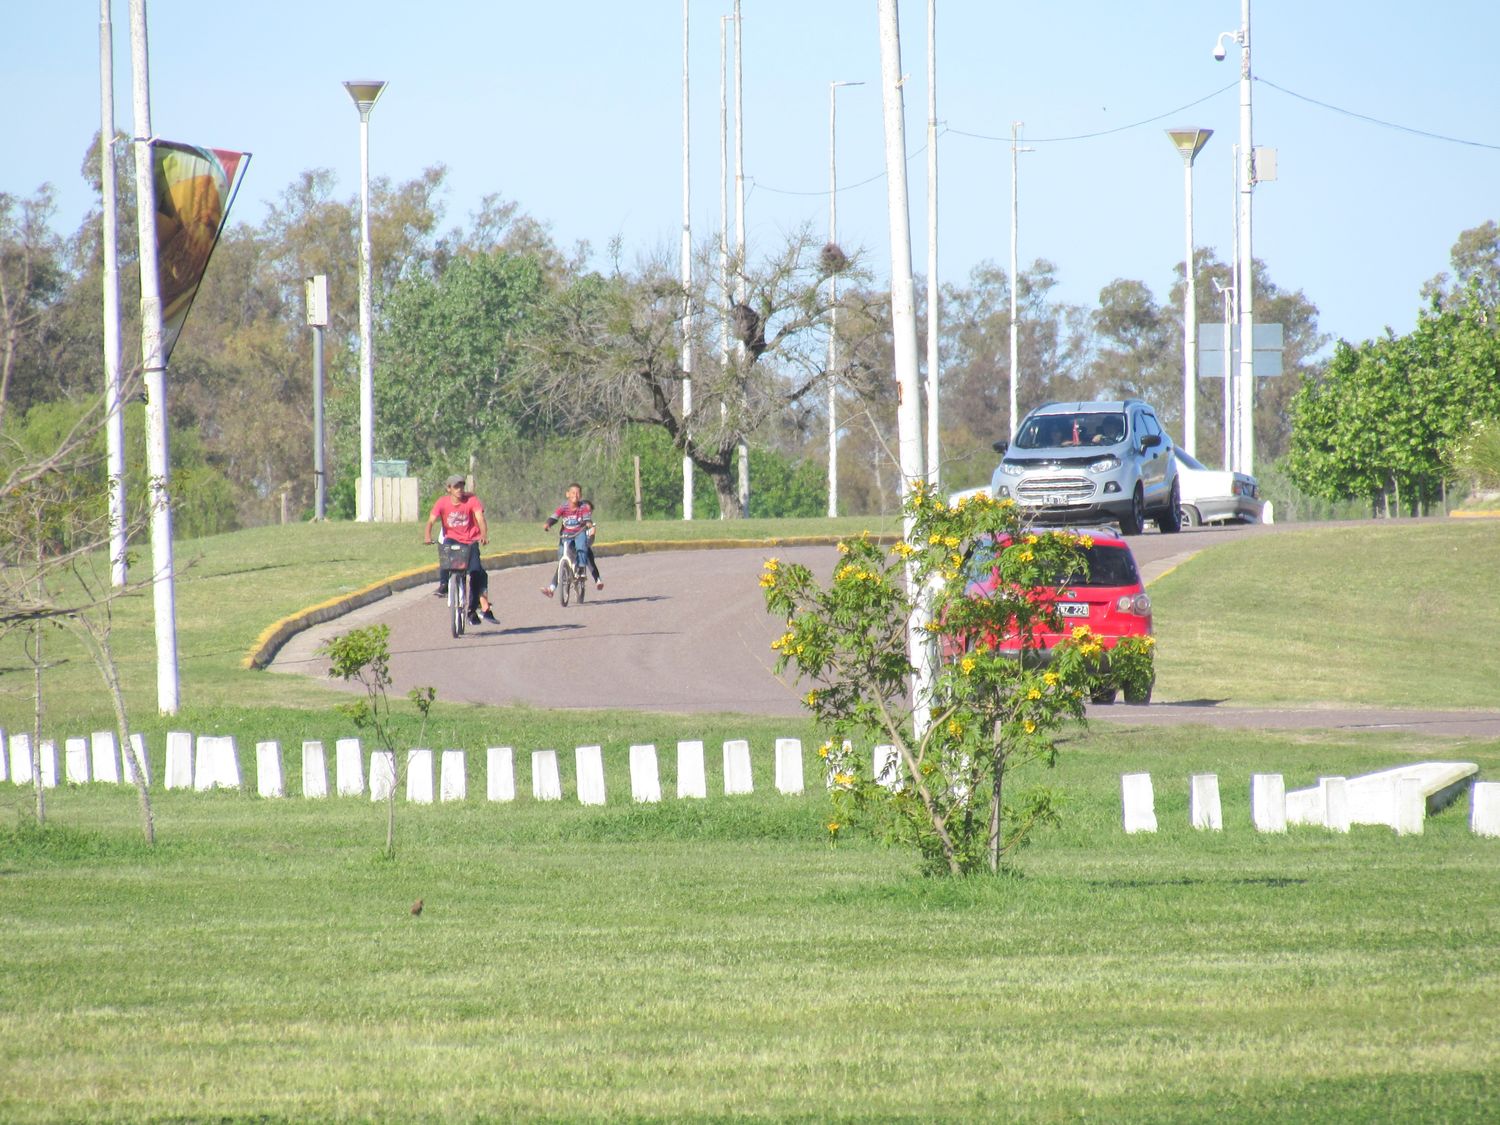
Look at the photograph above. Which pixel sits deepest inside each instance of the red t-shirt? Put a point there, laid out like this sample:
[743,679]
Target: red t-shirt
[459,518]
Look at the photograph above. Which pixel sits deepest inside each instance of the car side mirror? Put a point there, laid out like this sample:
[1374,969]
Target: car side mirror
[1150,441]
[1000,447]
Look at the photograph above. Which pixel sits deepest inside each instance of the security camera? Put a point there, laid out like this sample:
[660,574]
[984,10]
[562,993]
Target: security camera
[1219,51]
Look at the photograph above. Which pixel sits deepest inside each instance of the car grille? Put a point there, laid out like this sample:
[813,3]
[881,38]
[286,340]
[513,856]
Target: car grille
[1069,488]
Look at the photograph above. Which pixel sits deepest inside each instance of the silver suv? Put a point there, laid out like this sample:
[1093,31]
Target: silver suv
[1083,462]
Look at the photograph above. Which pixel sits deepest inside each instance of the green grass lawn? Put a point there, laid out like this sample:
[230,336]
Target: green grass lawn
[720,958]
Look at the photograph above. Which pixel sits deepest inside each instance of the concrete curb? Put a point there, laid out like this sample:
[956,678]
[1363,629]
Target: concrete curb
[1474,515]
[279,632]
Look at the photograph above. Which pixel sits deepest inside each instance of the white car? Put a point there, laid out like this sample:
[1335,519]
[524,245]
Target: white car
[1215,495]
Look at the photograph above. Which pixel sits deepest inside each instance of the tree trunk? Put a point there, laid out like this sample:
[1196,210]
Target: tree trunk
[36,729]
[727,489]
[995,807]
[104,660]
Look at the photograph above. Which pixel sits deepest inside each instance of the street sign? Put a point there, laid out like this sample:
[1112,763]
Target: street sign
[1266,361]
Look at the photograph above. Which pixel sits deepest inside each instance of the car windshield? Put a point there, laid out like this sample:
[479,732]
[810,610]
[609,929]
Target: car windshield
[1104,565]
[1091,428]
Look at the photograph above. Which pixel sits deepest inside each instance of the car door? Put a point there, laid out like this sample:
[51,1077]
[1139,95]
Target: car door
[1153,460]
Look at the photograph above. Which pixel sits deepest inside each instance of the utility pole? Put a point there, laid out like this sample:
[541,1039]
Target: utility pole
[739,219]
[687,280]
[114,431]
[833,299]
[1015,270]
[154,368]
[904,330]
[933,461]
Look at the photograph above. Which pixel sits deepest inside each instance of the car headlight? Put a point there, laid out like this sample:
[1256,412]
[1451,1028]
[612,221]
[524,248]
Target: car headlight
[1011,470]
[1105,465]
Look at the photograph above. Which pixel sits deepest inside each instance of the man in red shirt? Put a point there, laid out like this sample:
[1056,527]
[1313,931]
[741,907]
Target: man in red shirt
[461,516]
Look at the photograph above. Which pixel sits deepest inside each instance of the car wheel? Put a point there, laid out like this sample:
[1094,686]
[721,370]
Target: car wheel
[1189,515]
[1169,522]
[1131,521]
[1105,696]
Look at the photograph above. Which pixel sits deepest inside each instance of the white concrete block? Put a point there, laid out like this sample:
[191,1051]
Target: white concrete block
[314,771]
[50,772]
[1307,806]
[1411,806]
[885,766]
[1484,808]
[1204,807]
[546,781]
[179,772]
[588,762]
[419,776]
[453,777]
[1373,796]
[645,778]
[20,758]
[500,773]
[1139,802]
[349,767]
[692,779]
[382,774]
[269,781]
[789,765]
[1335,792]
[1268,802]
[104,757]
[217,763]
[136,758]
[737,767]
[76,760]
[4,756]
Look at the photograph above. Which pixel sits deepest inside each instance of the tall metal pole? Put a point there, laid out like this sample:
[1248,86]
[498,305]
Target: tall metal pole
[365,95]
[154,369]
[1189,142]
[833,297]
[1247,257]
[320,469]
[724,286]
[933,295]
[739,222]
[1015,272]
[114,425]
[904,331]
[1231,373]
[687,280]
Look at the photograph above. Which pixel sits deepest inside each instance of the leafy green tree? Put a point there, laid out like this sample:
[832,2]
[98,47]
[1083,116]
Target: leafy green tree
[447,357]
[1476,268]
[32,279]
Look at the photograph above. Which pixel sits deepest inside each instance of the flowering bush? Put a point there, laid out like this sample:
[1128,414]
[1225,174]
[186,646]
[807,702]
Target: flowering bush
[983,713]
[1132,667]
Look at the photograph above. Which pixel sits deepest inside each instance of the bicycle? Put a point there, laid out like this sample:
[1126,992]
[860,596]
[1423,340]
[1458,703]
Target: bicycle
[455,558]
[572,579]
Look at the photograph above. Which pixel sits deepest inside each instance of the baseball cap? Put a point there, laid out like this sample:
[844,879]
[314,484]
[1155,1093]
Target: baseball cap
[456,478]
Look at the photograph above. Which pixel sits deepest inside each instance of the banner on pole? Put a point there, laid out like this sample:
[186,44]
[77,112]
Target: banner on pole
[195,188]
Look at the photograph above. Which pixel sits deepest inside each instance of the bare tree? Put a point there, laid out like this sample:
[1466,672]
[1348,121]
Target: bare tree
[607,353]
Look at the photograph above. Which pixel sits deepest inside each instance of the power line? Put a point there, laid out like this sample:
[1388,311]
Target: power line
[1378,121]
[1102,132]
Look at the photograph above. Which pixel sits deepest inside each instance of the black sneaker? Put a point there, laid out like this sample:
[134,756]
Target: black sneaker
[440,592]
[473,618]
[489,615]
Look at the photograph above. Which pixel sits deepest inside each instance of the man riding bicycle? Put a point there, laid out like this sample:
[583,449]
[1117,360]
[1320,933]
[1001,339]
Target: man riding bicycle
[577,518]
[461,515]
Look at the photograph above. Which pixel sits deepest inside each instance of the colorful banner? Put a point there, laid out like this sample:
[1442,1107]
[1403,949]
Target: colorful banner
[194,190]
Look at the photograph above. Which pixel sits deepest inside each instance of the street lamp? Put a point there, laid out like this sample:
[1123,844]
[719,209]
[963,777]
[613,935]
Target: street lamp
[1245,392]
[1189,143]
[833,299]
[365,94]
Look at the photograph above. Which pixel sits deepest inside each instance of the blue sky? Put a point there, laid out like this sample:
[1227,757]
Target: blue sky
[573,110]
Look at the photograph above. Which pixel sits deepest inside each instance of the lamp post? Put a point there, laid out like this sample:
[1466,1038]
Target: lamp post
[1015,267]
[833,299]
[316,288]
[1189,143]
[365,94]
[1245,392]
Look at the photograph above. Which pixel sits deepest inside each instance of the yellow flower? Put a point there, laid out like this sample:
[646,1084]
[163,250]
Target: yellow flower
[833,827]
[932,627]
[1030,540]
[1085,541]
[767,581]
[844,572]
[1033,694]
[843,548]
[1150,642]
[967,664]
[1025,556]
[1081,632]
[824,749]
[950,541]
[1049,678]
[905,550]
[1030,726]
[843,779]
[956,559]
[810,698]
[772,564]
[955,728]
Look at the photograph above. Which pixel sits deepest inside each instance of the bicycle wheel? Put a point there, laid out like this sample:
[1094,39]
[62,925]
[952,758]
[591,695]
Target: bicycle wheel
[581,577]
[458,600]
[564,578]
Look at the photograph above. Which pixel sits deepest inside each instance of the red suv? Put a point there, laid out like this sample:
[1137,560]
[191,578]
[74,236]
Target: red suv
[1107,595]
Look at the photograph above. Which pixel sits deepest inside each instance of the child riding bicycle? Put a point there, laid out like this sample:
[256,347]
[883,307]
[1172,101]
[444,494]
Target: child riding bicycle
[461,515]
[577,518]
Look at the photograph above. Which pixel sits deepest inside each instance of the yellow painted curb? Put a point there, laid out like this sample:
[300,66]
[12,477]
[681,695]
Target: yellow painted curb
[279,632]
[1475,515]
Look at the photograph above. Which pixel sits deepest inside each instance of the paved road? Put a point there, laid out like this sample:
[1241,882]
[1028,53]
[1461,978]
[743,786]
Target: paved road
[686,631]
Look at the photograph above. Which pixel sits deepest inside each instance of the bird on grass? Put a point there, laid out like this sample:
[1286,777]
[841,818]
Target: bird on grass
[416,908]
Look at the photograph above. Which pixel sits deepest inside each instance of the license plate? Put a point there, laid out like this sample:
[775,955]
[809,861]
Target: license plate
[1072,609]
